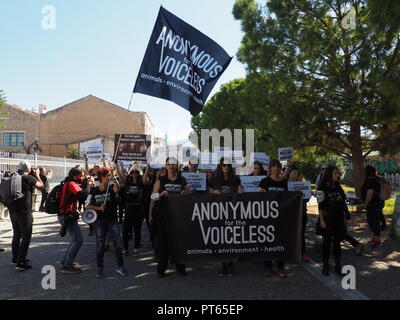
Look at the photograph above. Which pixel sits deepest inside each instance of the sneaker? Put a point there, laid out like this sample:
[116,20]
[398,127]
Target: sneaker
[100,272]
[360,249]
[70,270]
[14,262]
[371,241]
[268,272]
[125,252]
[376,244]
[282,273]
[23,267]
[121,271]
[305,257]
[135,252]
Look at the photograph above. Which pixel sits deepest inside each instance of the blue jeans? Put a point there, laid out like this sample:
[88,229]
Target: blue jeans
[113,227]
[76,242]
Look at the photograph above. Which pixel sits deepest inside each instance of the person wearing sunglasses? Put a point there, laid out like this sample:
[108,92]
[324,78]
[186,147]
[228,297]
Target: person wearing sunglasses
[132,199]
[103,200]
[225,181]
[274,182]
[171,183]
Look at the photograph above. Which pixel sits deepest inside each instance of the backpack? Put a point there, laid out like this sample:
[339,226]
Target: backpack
[11,189]
[52,204]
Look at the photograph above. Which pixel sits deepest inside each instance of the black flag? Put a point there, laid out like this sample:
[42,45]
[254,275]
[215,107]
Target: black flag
[181,64]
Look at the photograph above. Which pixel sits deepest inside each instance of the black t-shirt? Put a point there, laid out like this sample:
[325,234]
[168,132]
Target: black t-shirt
[132,192]
[374,184]
[225,186]
[97,199]
[24,204]
[333,202]
[172,186]
[270,184]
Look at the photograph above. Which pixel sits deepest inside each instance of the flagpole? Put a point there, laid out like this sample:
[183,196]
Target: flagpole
[119,140]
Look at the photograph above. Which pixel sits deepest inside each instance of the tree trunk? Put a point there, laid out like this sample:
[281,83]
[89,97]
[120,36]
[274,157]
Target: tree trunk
[357,158]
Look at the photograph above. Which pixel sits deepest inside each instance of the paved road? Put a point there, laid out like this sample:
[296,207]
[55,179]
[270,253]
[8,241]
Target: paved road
[201,283]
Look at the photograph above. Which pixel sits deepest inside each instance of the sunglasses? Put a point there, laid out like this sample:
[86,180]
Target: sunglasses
[226,165]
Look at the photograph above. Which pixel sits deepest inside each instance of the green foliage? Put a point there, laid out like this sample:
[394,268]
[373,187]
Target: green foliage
[2,113]
[73,153]
[333,84]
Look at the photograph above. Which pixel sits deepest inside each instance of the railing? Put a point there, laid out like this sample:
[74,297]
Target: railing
[59,166]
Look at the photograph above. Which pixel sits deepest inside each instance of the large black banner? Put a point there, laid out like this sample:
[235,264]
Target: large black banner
[261,225]
[181,64]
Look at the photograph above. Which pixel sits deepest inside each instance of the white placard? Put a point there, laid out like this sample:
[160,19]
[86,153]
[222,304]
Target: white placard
[94,152]
[208,161]
[197,181]
[251,183]
[303,186]
[285,154]
[261,157]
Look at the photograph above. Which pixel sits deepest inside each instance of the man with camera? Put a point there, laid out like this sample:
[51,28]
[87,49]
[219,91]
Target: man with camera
[21,215]
[68,216]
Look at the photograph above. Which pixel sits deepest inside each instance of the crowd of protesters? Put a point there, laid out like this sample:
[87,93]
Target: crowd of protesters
[123,198]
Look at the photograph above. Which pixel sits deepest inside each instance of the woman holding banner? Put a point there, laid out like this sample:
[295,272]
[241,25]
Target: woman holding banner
[103,201]
[272,183]
[171,183]
[332,207]
[225,181]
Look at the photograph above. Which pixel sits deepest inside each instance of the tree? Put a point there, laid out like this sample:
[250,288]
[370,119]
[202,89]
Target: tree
[238,105]
[3,114]
[331,87]
[72,153]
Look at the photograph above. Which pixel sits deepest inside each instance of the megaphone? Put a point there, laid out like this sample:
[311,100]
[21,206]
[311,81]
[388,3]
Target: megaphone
[89,216]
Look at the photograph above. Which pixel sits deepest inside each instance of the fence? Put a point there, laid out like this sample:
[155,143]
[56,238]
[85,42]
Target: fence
[59,166]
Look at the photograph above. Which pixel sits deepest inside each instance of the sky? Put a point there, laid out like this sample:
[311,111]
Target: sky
[96,48]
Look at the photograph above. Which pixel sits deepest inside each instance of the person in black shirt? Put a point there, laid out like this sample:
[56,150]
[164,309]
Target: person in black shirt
[148,179]
[132,199]
[171,183]
[374,205]
[21,215]
[225,181]
[332,210]
[45,190]
[274,182]
[103,201]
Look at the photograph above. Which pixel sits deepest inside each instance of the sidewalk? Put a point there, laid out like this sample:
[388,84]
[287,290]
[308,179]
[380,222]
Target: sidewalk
[377,278]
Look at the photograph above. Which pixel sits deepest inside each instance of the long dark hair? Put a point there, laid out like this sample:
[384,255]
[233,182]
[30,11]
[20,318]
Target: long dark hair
[370,171]
[129,179]
[219,175]
[327,180]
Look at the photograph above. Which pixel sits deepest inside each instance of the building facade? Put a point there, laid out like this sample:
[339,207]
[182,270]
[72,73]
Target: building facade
[61,130]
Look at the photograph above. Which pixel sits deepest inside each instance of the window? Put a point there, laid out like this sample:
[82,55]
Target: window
[13,139]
